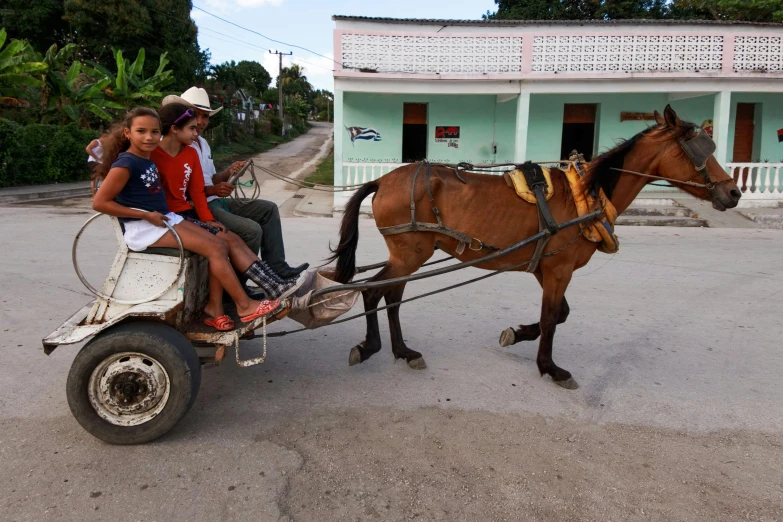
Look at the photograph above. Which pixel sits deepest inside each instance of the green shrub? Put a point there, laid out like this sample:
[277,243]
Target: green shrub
[277,125]
[36,154]
[9,140]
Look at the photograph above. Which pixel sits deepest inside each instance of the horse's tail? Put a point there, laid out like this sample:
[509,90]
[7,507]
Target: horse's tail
[345,253]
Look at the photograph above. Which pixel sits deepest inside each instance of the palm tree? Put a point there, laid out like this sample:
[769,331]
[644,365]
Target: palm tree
[17,67]
[71,94]
[128,88]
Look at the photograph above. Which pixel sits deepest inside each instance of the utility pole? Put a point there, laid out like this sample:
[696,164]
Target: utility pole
[280,84]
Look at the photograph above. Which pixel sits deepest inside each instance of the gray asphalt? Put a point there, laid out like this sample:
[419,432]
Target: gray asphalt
[680,330]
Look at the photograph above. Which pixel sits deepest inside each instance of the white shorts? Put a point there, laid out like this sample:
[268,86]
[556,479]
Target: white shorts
[141,233]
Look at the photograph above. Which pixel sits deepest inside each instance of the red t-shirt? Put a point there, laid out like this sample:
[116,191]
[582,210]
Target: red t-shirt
[182,179]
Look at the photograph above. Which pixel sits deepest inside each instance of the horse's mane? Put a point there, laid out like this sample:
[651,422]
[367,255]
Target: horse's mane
[600,173]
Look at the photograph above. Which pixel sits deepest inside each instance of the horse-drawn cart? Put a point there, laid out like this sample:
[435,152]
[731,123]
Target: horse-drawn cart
[141,371]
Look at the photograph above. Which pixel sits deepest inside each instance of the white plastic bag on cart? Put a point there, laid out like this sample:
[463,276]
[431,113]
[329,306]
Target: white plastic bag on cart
[322,310]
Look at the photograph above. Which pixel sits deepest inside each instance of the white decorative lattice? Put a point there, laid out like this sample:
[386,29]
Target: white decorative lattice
[758,53]
[432,54]
[616,54]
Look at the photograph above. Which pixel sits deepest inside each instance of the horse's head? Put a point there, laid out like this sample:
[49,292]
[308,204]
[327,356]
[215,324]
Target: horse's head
[686,155]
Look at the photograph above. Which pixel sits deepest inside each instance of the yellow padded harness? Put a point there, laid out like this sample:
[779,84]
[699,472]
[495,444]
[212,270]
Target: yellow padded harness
[601,231]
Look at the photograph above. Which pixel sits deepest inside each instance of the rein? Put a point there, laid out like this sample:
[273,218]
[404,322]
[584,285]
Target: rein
[709,185]
[698,149]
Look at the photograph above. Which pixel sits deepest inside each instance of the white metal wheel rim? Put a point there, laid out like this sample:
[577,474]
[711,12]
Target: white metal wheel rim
[100,294]
[107,402]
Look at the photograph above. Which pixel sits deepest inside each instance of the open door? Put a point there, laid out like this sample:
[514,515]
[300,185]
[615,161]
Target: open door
[414,132]
[743,140]
[578,129]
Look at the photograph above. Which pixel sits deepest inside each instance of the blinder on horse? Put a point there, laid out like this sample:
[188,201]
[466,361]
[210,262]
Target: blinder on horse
[699,148]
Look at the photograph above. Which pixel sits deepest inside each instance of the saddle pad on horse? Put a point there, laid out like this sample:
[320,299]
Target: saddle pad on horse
[602,231]
[516,180]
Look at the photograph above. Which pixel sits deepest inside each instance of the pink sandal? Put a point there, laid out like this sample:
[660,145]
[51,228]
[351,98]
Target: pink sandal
[266,307]
[221,324]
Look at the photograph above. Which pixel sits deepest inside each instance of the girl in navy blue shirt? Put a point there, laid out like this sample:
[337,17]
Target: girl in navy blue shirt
[131,190]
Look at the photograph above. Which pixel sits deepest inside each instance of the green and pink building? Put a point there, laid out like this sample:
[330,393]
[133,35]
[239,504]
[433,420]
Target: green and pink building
[500,91]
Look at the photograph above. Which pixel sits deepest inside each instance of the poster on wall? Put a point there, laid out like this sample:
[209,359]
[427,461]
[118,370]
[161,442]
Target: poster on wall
[363,133]
[448,135]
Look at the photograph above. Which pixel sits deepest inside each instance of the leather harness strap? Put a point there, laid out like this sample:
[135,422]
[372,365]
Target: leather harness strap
[536,181]
[463,239]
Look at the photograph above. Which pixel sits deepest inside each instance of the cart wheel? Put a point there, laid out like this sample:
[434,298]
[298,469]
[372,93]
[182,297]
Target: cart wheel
[134,382]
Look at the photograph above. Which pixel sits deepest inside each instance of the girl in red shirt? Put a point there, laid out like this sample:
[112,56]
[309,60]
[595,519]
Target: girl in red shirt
[183,181]
[132,191]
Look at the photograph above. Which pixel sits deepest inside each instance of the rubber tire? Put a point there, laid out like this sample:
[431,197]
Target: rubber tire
[165,344]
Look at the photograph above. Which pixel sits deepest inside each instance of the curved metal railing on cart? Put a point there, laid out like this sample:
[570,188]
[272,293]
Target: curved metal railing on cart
[96,292]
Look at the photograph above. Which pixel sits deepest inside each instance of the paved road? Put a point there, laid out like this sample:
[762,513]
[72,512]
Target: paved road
[675,342]
[298,159]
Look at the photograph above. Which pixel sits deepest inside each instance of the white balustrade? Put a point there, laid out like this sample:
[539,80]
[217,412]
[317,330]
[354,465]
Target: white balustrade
[599,54]
[760,183]
[518,52]
[360,173]
[431,54]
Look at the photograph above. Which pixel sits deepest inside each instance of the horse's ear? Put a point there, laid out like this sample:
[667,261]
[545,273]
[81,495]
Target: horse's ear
[672,120]
[658,118]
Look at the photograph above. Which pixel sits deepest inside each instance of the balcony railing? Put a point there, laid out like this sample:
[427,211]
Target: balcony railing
[759,182]
[579,52]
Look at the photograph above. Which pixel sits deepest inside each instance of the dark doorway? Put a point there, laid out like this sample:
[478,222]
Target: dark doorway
[578,129]
[414,132]
[743,133]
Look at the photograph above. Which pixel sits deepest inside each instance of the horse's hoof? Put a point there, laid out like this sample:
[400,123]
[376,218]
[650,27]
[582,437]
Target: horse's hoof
[355,357]
[507,337]
[417,364]
[568,384]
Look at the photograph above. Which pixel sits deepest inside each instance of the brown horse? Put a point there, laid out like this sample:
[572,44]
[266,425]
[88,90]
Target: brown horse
[484,207]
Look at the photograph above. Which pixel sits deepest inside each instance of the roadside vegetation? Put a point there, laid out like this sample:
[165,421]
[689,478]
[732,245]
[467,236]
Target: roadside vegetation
[69,69]
[324,172]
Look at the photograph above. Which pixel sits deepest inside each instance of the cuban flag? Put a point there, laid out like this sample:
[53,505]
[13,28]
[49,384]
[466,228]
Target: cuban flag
[363,133]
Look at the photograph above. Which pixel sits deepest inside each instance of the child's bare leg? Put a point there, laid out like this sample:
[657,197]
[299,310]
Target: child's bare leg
[203,243]
[214,306]
[241,256]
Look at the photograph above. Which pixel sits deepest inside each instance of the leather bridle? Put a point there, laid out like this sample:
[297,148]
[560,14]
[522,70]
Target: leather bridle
[698,149]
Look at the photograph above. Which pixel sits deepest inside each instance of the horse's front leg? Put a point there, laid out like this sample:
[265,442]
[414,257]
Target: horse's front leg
[399,348]
[530,332]
[555,283]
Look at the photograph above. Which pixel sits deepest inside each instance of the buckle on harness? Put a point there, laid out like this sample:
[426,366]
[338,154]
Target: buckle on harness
[480,247]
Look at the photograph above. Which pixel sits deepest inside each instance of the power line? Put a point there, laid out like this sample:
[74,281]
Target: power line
[271,39]
[250,45]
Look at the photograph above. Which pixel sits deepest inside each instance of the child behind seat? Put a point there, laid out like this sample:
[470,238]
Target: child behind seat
[132,191]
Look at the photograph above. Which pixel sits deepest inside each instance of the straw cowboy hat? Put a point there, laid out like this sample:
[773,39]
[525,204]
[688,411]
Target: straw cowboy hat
[195,96]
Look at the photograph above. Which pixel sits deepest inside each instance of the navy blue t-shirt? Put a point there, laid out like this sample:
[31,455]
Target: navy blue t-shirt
[143,189]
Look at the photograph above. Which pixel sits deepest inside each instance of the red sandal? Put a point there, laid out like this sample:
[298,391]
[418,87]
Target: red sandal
[221,324]
[264,308]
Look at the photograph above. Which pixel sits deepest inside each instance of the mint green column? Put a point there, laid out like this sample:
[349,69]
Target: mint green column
[339,134]
[721,119]
[523,115]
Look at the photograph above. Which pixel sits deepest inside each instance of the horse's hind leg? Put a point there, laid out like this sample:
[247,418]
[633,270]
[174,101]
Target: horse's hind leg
[530,332]
[407,254]
[399,348]
[372,340]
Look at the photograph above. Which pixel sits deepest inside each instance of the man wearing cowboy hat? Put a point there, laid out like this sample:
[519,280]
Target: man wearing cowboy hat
[256,221]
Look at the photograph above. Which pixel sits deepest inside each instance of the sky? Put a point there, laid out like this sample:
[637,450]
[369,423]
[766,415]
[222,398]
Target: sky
[305,23]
